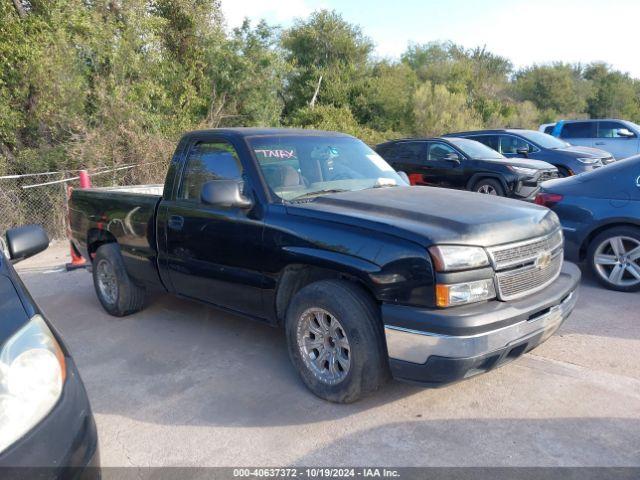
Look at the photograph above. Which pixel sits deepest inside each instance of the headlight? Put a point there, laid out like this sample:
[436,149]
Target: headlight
[523,170]
[32,372]
[588,160]
[449,258]
[462,293]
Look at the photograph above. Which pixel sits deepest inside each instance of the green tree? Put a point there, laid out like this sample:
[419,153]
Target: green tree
[615,94]
[438,111]
[329,56]
[560,88]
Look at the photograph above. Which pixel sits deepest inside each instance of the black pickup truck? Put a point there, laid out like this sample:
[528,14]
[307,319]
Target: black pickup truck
[314,231]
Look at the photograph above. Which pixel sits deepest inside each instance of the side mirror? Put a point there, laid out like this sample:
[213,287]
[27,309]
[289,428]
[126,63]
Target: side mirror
[524,151]
[404,177]
[624,133]
[26,241]
[225,193]
[452,157]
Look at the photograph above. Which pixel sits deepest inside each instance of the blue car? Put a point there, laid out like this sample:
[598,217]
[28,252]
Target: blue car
[600,215]
[534,145]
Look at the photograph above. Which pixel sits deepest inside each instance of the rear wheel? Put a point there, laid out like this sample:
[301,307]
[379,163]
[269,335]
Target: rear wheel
[336,341]
[116,291]
[489,186]
[614,257]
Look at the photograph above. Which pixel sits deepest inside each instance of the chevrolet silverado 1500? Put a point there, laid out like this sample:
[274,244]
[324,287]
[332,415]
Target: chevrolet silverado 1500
[315,232]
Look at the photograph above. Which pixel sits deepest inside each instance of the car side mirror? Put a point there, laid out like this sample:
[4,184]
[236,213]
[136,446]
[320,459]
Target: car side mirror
[524,151]
[624,133]
[26,241]
[452,157]
[404,177]
[225,193]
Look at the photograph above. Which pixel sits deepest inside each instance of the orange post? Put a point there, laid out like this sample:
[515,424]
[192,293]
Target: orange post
[77,261]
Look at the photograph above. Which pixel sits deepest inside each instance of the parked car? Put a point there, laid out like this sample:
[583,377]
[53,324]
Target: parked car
[517,143]
[45,418]
[621,138]
[314,231]
[467,165]
[600,215]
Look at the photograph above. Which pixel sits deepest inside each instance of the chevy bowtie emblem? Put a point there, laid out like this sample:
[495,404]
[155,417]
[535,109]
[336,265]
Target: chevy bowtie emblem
[543,260]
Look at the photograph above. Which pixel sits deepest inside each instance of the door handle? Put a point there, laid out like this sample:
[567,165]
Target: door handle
[176,222]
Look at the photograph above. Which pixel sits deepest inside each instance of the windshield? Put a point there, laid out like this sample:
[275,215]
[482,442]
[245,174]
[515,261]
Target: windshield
[475,149]
[304,166]
[543,140]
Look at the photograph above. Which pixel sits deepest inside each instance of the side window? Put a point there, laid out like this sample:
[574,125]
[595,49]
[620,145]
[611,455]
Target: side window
[407,152]
[614,130]
[510,144]
[206,162]
[439,151]
[549,129]
[491,141]
[577,130]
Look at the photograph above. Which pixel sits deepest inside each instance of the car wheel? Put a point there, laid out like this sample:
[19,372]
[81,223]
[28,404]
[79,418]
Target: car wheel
[614,256]
[489,186]
[116,291]
[336,340]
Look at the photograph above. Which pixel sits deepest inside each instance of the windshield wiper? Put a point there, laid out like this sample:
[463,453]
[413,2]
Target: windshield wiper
[318,192]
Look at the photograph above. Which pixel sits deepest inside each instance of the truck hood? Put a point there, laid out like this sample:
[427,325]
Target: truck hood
[429,215]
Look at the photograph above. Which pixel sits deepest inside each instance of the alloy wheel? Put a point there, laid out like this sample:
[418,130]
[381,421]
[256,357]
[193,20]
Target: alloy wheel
[324,346]
[487,189]
[107,282]
[617,260]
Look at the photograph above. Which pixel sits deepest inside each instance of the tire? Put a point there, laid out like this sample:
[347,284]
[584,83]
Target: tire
[351,314]
[118,295]
[611,261]
[489,186]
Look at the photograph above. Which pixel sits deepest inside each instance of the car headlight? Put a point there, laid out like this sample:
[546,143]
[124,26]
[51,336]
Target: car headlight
[32,373]
[588,161]
[450,258]
[523,170]
[463,293]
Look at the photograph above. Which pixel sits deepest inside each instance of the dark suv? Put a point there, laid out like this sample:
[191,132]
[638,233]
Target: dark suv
[465,164]
[514,143]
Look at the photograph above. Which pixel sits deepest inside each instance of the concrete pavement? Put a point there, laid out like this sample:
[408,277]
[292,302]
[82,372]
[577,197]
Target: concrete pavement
[181,384]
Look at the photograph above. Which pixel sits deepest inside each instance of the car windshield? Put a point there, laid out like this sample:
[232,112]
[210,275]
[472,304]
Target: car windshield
[304,166]
[474,149]
[543,140]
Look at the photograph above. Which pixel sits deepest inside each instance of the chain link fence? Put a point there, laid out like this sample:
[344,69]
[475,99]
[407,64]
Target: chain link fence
[41,198]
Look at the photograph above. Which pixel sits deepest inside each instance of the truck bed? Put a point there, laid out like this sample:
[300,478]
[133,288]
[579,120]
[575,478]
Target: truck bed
[127,214]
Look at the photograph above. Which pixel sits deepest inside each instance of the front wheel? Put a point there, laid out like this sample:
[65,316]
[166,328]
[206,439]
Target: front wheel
[614,257]
[489,186]
[336,341]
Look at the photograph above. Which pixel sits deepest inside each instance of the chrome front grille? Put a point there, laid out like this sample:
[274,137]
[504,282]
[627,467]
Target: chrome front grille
[523,281]
[525,267]
[504,256]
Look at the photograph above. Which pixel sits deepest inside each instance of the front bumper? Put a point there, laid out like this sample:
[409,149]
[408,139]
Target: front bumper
[64,445]
[444,346]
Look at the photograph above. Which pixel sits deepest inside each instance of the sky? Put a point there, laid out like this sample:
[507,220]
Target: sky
[526,32]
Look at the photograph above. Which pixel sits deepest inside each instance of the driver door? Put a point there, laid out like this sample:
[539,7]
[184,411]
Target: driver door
[441,171]
[213,252]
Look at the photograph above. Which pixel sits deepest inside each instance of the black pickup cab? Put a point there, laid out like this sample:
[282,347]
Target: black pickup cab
[315,232]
